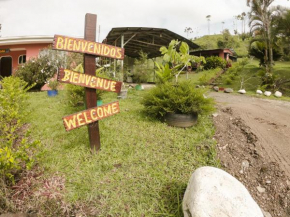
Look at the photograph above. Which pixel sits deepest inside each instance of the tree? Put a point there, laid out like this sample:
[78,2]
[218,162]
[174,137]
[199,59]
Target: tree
[227,41]
[208,22]
[283,30]
[260,25]
[188,30]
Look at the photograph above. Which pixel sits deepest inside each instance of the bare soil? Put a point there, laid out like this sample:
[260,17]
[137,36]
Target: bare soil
[253,136]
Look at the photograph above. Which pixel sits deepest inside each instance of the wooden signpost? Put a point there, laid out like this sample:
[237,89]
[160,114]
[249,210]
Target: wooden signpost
[91,49]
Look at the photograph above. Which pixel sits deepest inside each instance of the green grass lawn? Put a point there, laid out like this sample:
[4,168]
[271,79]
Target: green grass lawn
[143,166]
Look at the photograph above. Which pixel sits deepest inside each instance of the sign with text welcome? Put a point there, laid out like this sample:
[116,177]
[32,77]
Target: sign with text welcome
[85,80]
[91,115]
[88,47]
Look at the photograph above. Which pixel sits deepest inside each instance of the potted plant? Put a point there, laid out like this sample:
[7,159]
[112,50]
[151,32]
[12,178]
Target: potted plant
[177,105]
[100,94]
[52,84]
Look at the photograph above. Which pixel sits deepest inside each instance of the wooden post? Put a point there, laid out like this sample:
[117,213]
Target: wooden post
[122,61]
[90,68]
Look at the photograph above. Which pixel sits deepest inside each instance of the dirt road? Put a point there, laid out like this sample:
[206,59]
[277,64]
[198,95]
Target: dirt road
[269,120]
[253,137]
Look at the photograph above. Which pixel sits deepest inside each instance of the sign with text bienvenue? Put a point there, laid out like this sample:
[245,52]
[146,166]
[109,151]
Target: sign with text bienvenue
[85,80]
[88,47]
[89,116]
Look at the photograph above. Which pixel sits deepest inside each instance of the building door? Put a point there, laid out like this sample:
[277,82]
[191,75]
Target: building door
[5,66]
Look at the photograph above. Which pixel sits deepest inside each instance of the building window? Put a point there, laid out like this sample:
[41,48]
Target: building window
[22,59]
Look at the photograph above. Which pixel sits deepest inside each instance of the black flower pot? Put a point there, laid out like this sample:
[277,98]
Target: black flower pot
[180,120]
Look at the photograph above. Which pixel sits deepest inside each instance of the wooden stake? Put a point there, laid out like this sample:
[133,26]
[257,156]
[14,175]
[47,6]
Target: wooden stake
[90,69]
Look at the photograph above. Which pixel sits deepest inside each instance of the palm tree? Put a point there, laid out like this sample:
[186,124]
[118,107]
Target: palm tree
[188,30]
[260,24]
[208,20]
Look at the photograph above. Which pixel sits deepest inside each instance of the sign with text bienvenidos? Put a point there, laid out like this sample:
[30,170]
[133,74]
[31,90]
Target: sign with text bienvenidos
[88,47]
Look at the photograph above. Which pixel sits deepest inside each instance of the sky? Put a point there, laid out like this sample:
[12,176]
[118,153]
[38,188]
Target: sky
[66,17]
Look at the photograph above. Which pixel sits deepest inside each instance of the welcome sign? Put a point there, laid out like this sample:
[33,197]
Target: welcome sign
[88,47]
[91,115]
[85,80]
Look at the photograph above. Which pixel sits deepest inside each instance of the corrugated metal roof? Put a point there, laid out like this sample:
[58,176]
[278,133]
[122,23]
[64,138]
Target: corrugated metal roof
[147,39]
[25,40]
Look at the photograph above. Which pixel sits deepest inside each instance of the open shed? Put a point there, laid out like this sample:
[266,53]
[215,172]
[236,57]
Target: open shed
[149,40]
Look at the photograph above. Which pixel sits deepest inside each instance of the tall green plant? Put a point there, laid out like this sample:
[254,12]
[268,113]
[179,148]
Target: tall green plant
[176,58]
[16,150]
[261,16]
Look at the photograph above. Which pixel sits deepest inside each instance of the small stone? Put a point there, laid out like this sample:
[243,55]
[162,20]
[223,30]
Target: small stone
[245,164]
[278,94]
[268,182]
[215,115]
[259,92]
[216,88]
[228,90]
[267,93]
[242,91]
[260,189]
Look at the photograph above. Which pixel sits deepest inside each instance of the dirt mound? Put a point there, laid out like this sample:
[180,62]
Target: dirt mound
[243,157]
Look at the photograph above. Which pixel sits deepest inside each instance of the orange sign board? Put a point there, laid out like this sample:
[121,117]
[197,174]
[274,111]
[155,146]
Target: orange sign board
[85,80]
[89,116]
[88,47]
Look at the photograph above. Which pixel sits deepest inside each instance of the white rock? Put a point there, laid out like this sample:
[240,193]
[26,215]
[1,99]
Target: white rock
[267,93]
[213,192]
[261,189]
[259,92]
[242,91]
[278,94]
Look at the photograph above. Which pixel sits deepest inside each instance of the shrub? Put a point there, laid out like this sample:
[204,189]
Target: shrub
[39,70]
[215,62]
[182,98]
[16,151]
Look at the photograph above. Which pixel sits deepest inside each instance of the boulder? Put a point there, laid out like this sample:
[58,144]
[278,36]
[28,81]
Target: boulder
[259,92]
[214,192]
[228,90]
[278,94]
[242,91]
[216,88]
[267,93]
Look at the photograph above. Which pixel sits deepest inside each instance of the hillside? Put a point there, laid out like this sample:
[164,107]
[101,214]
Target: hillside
[211,42]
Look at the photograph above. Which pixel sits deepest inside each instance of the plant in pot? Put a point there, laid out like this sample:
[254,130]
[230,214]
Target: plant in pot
[52,84]
[177,105]
[176,58]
